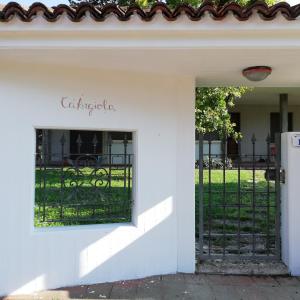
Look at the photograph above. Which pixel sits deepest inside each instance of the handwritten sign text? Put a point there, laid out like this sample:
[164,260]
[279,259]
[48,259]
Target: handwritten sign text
[86,105]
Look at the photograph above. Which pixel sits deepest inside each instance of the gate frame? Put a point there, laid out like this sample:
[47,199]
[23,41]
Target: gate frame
[279,178]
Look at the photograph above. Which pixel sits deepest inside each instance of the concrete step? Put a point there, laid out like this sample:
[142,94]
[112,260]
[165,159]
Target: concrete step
[246,267]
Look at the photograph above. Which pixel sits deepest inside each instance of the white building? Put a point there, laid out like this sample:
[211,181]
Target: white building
[139,77]
[258,113]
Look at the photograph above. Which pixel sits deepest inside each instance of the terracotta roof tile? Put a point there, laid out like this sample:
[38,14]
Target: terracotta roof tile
[76,14]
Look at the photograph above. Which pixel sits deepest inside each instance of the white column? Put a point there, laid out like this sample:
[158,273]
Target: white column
[290,202]
[185,209]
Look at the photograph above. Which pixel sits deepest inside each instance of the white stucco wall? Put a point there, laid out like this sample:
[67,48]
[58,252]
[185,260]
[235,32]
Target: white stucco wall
[290,204]
[255,119]
[160,110]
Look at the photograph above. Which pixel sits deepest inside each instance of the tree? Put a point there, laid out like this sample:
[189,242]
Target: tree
[103,2]
[212,109]
[196,3]
[170,3]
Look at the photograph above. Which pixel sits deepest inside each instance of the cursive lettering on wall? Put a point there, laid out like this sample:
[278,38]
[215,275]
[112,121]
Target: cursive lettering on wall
[86,105]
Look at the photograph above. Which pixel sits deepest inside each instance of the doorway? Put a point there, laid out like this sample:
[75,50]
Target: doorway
[232,146]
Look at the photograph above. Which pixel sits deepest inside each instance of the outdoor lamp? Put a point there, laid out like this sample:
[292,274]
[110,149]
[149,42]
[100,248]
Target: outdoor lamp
[257,73]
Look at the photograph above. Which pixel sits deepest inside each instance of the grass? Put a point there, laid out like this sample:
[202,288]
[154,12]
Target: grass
[88,199]
[228,210]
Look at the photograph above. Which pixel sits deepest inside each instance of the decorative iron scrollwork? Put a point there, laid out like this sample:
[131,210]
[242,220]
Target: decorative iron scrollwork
[82,188]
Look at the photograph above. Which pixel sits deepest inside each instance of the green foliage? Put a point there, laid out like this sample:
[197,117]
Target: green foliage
[196,3]
[102,2]
[174,3]
[243,2]
[171,3]
[212,105]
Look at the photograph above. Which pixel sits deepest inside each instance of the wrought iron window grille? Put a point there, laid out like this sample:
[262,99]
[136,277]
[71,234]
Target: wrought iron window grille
[87,186]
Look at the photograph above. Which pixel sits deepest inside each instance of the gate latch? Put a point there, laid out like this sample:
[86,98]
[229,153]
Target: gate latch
[272,174]
[282,176]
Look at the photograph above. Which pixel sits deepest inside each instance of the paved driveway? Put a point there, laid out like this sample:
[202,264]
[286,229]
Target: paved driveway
[182,286]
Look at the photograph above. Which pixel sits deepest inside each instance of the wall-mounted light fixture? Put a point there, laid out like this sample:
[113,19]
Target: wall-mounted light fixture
[257,73]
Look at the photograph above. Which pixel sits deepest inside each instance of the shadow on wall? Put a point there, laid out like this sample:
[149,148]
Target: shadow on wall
[120,251]
[35,260]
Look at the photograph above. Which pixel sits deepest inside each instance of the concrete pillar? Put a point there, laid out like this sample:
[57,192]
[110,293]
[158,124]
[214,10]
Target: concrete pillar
[283,112]
[290,204]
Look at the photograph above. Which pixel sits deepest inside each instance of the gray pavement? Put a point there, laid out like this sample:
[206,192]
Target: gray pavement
[181,286]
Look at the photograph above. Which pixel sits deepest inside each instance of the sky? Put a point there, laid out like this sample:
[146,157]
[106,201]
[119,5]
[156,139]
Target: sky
[55,2]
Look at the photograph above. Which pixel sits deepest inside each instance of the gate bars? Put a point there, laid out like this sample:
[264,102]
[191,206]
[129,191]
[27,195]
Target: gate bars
[80,187]
[239,201]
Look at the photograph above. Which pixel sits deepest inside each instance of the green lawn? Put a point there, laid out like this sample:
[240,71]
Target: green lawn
[230,210]
[72,197]
[86,197]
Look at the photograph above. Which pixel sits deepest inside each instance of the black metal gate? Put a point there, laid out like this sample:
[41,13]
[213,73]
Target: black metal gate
[239,200]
